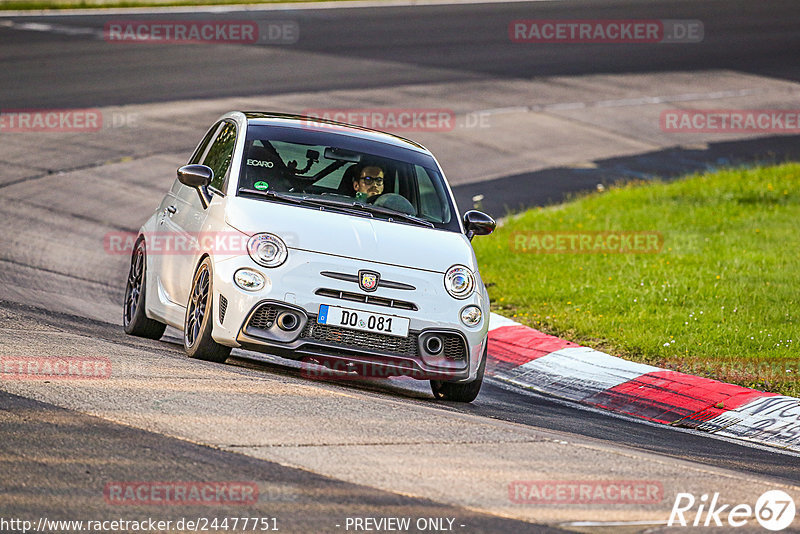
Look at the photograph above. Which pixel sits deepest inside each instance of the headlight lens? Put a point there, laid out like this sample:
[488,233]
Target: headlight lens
[267,250]
[248,280]
[471,316]
[459,281]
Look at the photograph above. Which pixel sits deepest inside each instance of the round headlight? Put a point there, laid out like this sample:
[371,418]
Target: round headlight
[471,316]
[267,250]
[248,280]
[459,282]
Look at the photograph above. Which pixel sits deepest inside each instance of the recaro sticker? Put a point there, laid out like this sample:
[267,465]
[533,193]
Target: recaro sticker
[259,163]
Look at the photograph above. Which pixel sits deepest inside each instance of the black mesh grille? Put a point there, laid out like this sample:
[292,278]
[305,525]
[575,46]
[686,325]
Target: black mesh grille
[367,299]
[454,347]
[264,317]
[335,335]
[223,306]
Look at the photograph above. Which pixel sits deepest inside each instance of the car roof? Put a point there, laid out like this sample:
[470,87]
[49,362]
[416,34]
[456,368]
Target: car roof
[267,118]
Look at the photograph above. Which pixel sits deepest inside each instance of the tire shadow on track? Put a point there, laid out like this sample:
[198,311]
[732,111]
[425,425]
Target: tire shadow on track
[170,345]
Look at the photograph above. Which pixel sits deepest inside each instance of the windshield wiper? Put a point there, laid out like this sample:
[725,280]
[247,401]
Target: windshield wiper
[372,208]
[397,215]
[350,207]
[272,194]
[306,201]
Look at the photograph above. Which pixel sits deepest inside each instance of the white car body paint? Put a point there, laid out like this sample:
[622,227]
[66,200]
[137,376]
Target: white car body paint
[317,241]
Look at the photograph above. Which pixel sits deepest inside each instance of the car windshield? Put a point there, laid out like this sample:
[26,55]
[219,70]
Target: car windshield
[337,171]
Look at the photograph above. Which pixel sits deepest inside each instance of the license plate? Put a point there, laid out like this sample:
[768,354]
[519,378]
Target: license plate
[362,320]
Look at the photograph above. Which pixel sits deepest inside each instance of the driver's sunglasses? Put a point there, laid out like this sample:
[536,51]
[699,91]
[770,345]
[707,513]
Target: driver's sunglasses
[372,179]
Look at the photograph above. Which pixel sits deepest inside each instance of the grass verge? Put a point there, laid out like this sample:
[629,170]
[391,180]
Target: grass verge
[719,299]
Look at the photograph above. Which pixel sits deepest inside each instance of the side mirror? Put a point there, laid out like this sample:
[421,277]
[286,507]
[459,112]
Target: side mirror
[478,223]
[198,177]
[195,175]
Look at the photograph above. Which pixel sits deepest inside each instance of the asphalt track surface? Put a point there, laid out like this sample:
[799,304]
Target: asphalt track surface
[420,44]
[366,48]
[339,49]
[299,501]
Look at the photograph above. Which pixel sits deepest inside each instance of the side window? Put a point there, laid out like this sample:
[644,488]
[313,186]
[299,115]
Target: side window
[431,195]
[197,157]
[220,154]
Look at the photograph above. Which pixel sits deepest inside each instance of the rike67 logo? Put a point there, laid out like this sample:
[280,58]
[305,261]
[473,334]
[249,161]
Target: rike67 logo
[774,510]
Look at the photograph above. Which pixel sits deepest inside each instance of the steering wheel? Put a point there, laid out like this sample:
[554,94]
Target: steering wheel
[393,201]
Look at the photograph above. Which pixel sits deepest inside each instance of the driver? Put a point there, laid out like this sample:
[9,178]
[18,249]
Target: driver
[368,182]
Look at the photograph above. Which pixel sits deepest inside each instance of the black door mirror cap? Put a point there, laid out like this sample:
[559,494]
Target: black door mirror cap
[195,175]
[478,223]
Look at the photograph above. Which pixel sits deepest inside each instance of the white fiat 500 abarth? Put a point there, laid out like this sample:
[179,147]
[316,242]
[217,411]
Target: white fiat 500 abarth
[316,241]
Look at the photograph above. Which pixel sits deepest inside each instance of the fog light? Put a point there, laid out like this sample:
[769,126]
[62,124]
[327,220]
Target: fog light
[248,280]
[471,316]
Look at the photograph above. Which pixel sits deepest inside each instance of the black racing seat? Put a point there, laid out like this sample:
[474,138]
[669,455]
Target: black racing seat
[346,185]
[263,164]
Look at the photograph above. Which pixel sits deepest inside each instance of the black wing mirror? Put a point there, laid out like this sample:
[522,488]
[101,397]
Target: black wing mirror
[197,176]
[478,223]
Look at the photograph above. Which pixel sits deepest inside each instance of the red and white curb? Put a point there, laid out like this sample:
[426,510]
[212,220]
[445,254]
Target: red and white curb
[530,359]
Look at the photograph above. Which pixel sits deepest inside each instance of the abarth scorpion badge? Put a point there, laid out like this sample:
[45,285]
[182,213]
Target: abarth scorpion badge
[368,280]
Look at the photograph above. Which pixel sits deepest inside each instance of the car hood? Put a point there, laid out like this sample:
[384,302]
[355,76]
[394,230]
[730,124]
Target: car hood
[351,236]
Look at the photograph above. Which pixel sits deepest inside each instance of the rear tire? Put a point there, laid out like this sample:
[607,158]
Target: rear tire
[197,324]
[134,320]
[461,391]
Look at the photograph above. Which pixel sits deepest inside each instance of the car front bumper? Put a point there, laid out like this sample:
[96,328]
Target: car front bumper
[248,319]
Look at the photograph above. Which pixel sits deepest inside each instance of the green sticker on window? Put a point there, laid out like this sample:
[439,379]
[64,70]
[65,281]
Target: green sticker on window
[261,185]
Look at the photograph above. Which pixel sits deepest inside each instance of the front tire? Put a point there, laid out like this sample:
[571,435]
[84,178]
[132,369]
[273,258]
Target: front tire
[461,391]
[198,323]
[134,320]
